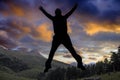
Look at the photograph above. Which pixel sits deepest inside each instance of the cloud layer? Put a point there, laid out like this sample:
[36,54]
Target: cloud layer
[22,18]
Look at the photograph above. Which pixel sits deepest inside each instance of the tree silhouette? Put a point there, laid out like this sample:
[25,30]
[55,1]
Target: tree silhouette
[115,60]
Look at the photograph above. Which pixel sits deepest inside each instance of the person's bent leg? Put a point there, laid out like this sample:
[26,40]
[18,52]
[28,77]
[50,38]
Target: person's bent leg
[54,47]
[77,57]
[67,43]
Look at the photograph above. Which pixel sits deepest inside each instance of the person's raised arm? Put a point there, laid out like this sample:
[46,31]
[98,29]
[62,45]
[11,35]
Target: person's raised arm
[71,11]
[48,15]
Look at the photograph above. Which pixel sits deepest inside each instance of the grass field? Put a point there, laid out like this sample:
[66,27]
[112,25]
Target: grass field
[111,76]
[8,76]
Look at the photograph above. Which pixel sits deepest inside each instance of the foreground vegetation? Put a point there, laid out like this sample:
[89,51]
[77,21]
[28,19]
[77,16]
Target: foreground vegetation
[111,76]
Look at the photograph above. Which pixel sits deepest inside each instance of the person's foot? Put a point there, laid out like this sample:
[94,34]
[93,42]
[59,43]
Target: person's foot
[46,69]
[80,65]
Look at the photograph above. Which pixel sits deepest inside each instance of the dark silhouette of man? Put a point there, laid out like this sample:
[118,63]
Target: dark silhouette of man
[61,36]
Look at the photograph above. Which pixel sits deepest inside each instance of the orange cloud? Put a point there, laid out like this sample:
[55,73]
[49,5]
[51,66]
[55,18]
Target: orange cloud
[69,28]
[94,28]
[43,33]
[13,9]
[3,33]
[25,29]
[16,10]
[20,29]
[20,26]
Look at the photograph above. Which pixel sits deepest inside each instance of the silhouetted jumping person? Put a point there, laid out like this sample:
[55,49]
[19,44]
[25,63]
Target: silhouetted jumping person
[61,36]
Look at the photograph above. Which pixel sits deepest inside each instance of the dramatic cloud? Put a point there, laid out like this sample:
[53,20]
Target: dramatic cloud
[16,10]
[5,41]
[94,28]
[42,32]
[15,28]
[11,8]
[85,7]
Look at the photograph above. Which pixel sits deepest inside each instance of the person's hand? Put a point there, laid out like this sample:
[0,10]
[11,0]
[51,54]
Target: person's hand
[41,8]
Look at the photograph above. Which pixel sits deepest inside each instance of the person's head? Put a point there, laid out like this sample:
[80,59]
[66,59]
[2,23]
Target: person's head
[58,11]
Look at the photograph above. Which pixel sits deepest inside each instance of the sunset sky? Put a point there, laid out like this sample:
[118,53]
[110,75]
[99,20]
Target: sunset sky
[94,27]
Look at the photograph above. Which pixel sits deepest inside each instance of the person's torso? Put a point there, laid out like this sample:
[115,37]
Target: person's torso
[60,25]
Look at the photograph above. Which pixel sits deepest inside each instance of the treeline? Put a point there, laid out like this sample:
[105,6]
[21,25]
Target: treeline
[72,73]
